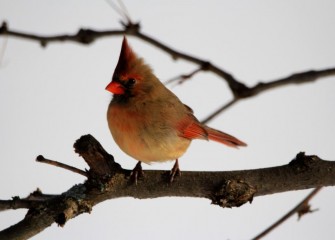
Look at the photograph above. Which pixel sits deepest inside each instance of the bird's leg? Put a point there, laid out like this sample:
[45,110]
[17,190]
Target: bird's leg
[175,171]
[137,173]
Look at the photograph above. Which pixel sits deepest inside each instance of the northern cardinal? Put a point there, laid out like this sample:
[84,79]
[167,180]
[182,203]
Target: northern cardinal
[148,121]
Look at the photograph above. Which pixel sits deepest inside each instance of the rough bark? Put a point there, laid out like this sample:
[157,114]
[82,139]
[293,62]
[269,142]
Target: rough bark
[108,180]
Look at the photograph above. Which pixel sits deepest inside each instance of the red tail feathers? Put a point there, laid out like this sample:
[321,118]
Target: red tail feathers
[221,137]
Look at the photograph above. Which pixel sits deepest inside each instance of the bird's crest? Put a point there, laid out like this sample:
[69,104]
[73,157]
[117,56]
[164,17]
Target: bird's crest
[126,59]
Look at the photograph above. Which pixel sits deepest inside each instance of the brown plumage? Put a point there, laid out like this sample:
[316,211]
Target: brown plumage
[147,120]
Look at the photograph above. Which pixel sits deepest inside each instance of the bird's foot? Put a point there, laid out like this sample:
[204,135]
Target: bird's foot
[175,171]
[137,173]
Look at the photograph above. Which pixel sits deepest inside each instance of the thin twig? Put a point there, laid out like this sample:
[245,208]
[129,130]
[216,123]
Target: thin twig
[182,78]
[32,201]
[297,78]
[301,205]
[41,159]
[233,83]
[17,203]
[239,89]
[3,47]
[220,110]
[121,10]
[87,36]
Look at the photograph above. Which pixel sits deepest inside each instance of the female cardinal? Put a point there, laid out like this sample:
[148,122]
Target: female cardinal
[148,121]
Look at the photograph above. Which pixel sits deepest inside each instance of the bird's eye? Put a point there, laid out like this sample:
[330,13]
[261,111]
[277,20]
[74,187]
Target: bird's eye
[131,82]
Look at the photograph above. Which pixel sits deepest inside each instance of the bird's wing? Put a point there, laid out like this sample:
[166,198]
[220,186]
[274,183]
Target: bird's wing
[189,127]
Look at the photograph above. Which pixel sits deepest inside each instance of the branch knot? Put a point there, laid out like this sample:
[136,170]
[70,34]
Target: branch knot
[86,36]
[233,193]
[303,162]
[131,28]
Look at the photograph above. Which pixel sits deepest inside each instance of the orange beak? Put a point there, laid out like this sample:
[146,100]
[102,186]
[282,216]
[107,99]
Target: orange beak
[115,88]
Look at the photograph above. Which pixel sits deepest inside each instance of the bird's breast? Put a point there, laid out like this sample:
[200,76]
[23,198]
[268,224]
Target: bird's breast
[145,136]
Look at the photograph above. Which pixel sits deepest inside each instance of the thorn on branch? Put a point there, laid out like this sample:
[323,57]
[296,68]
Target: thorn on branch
[35,194]
[43,43]
[233,193]
[305,208]
[3,28]
[303,162]
[38,195]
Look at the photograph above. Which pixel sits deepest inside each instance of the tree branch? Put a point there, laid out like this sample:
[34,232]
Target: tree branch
[88,36]
[302,208]
[16,203]
[108,180]
[219,111]
[239,89]
[182,78]
[32,201]
[297,78]
[41,159]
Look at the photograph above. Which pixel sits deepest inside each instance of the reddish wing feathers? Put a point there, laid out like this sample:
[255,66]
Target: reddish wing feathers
[221,137]
[190,128]
[195,131]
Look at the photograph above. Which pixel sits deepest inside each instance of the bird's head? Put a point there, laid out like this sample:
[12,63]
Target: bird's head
[132,77]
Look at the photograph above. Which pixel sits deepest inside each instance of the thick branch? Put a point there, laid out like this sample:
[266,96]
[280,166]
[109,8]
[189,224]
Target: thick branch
[107,180]
[226,189]
[56,209]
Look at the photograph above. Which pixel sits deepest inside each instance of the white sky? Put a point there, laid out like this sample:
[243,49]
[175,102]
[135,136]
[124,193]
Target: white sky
[50,97]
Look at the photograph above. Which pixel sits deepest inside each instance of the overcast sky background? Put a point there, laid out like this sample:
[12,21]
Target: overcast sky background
[50,97]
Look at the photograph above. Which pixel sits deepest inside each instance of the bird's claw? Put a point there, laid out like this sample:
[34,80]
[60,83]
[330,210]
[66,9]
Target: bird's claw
[137,173]
[175,171]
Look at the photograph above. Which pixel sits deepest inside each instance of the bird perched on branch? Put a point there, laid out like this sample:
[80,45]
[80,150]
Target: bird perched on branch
[148,121]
